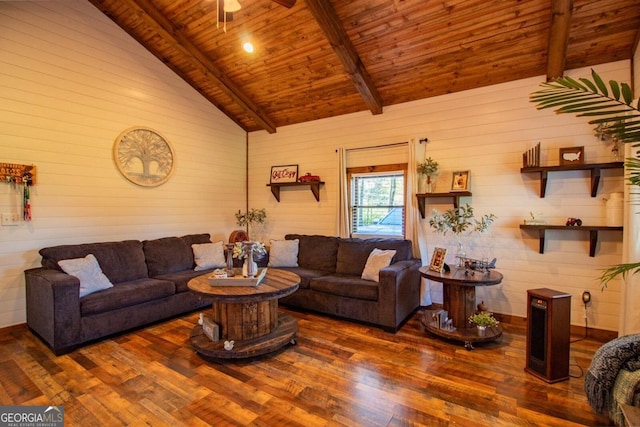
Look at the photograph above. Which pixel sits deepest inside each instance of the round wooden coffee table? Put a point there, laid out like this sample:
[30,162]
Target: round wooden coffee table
[246,315]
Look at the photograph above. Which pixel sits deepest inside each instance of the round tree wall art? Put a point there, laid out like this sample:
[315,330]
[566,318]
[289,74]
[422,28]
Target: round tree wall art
[143,156]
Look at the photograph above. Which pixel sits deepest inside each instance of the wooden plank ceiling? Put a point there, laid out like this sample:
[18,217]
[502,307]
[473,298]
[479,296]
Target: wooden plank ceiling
[323,58]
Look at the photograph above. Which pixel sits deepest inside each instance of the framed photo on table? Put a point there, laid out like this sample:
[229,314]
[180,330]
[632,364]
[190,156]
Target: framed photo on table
[460,181]
[286,173]
[437,259]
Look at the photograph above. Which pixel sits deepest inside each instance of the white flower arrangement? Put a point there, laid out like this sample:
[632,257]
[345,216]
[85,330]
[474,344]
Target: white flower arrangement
[241,250]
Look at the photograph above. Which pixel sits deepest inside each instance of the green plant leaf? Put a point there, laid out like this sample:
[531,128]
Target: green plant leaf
[573,83]
[599,83]
[590,85]
[627,94]
[615,89]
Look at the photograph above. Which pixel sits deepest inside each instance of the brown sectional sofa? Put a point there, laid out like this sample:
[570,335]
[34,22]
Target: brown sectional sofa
[330,269]
[150,284]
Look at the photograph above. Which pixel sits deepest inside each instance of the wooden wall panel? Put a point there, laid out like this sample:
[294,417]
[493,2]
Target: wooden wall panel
[72,81]
[485,131]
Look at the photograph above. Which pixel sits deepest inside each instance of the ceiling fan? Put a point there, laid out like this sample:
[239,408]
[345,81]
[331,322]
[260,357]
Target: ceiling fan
[227,7]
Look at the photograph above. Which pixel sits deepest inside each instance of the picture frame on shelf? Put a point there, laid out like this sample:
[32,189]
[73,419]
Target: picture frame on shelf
[283,174]
[437,259]
[460,181]
[571,156]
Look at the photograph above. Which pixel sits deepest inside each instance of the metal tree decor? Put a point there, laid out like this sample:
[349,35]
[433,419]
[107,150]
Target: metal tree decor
[612,110]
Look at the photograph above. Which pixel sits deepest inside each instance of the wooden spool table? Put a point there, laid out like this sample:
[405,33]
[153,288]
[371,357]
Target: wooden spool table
[246,315]
[459,300]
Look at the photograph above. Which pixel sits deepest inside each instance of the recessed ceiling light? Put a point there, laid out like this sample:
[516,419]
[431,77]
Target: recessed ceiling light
[248,47]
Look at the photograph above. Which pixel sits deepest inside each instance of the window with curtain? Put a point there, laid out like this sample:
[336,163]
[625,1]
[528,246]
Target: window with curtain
[377,198]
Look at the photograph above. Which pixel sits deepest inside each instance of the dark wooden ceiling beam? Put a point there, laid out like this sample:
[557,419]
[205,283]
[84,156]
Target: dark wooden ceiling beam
[171,35]
[286,3]
[561,12]
[327,18]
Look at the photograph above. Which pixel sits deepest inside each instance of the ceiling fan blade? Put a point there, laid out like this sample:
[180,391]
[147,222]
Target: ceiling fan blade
[221,13]
[286,3]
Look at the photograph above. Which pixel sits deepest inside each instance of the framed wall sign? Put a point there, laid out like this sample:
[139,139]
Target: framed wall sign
[571,156]
[460,181]
[437,259]
[286,173]
[143,156]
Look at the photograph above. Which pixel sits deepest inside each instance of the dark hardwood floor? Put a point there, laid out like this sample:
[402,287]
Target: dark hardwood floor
[339,373]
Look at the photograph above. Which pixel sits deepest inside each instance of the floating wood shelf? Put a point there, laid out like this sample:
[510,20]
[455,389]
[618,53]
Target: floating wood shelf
[593,233]
[455,195]
[314,186]
[594,168]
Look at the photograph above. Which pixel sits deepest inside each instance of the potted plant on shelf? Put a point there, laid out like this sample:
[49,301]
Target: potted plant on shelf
[460,221]
[482,320]
[428,168]
[615,117]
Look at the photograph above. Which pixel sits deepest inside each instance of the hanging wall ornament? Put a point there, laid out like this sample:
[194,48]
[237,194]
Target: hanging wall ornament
[143,156]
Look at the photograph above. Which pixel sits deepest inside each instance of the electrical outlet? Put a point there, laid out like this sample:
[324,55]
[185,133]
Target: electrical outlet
[10,219]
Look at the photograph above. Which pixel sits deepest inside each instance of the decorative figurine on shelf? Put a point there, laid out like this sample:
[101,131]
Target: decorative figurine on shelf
[574,221]
[309,178]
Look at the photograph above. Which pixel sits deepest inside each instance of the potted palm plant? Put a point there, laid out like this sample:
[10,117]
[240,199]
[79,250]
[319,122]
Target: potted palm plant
[615,116]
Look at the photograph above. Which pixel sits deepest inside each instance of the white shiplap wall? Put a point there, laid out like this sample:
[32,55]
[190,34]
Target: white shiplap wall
[486,131]
[70,82]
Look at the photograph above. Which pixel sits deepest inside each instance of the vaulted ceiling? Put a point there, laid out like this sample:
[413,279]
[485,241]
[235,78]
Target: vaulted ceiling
[315,59]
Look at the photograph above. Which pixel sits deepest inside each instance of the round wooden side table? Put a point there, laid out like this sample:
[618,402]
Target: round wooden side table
[459,300]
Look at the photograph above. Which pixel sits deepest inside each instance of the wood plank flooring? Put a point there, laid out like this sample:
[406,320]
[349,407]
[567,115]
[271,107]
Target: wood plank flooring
[338,374]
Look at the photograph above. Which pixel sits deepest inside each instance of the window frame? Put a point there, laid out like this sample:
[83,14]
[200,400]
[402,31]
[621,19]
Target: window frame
[400,168]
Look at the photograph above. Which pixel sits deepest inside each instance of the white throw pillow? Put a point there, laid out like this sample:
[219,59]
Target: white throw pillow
[378,259]
[209,255]
[88,271]
[283,253]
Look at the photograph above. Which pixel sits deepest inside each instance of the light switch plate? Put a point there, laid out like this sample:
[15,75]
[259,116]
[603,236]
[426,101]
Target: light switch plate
[10,219]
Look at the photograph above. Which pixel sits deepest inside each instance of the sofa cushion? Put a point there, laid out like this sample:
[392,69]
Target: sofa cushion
[181,278]
[167,255]
[88,272]
[305,275]
[125,295]
[283,253]
[346,286]
[353,253]
[377,260]
[316,252]
[196,239]
[120,261]
[208,255]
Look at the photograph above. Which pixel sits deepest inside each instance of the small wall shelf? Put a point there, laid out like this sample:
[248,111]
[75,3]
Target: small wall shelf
[454,195]
[593,233]
[594,168]
[313,185]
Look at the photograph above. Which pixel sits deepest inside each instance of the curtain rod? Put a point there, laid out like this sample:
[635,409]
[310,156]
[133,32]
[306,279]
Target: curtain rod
[395,144]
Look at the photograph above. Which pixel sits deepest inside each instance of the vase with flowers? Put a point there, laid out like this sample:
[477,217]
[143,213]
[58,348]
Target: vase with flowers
[428,168]
[460,221]
[249,252]
[251,219]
